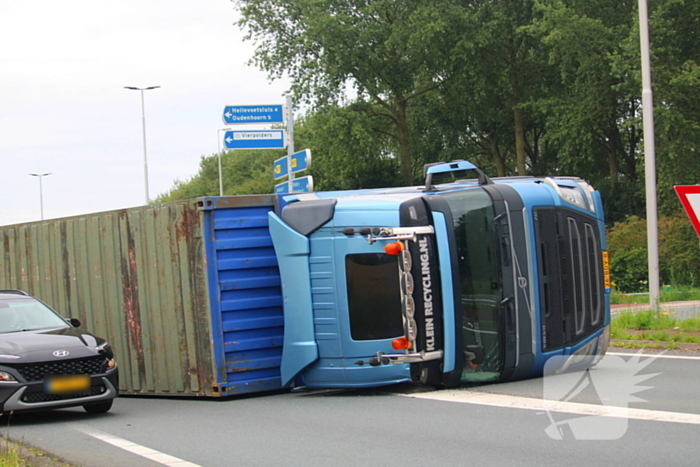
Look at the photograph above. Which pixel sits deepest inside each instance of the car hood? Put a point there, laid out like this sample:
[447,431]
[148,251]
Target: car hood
[48,345]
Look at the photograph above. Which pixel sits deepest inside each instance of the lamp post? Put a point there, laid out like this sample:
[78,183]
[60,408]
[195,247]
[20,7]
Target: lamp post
[218,142]
[649,159]
[41,192]
[143,119]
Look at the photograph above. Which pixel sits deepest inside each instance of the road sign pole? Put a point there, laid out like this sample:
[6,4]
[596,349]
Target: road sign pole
[290,134]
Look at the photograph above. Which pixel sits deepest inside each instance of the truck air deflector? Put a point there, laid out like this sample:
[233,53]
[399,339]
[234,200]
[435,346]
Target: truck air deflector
[292,251]
[447,292]
[308,216]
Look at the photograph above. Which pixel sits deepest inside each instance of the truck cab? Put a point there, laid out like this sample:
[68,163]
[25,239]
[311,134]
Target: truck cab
[476,280]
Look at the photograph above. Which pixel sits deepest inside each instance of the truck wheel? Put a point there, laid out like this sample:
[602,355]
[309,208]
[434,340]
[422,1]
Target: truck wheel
[101,407]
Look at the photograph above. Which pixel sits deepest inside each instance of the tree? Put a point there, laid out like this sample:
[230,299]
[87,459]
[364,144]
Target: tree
[502,71]
[244,172]
[391,52]
[674,33]
[349,148]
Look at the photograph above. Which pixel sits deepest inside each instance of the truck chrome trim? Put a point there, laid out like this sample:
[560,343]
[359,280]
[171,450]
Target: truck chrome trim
[412,357]
[400,233]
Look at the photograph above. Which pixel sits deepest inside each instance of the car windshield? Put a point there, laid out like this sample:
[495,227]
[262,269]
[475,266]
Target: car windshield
[480,284]
[27,314]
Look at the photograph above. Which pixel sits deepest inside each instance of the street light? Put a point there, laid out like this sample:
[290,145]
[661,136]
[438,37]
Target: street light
[649,159]
[41,192]
[143,118]
[221,177]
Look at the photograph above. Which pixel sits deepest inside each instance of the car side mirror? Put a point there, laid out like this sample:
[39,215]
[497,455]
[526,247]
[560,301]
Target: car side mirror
[75,322]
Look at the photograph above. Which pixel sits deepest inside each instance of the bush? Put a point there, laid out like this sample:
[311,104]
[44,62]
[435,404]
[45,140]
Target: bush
[679,253]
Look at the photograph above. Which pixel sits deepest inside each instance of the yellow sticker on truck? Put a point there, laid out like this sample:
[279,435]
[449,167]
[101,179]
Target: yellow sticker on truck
[606,271]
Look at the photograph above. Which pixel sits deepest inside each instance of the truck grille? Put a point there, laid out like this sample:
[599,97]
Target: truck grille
[570,276]
[83,366]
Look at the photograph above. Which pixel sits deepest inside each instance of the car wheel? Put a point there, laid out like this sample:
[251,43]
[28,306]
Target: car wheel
[102,407]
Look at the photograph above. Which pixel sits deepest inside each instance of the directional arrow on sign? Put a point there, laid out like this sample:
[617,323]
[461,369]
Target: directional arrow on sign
[303,184]
[690,199]
[264,113]
[255,139]
[300,161]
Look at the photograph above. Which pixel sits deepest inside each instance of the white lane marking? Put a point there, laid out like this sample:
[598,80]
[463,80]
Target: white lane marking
[517,402]
[651,355]
[143,451]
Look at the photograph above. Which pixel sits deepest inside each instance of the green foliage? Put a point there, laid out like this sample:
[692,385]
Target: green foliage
[244,172]
[10,456]
[347,150]
[679,253]
[390,52]
[668,294]
[644,321]
[690,325]
[628,255]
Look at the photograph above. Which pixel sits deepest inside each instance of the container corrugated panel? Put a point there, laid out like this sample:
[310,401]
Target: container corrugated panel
[247,289]
[167,285]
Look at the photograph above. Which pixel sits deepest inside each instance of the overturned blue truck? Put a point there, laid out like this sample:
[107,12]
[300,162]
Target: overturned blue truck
[471,281]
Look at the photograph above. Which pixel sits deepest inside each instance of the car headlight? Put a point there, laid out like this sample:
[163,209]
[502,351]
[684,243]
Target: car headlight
[5,376]
[108,365]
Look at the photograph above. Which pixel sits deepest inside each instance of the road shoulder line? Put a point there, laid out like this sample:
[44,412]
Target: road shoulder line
[518,402]
[142,451]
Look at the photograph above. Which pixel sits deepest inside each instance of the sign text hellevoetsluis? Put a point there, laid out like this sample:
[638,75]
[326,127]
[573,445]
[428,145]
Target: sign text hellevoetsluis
[237,114]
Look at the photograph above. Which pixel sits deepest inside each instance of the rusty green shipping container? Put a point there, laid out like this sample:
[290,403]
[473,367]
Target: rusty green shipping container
[188,293]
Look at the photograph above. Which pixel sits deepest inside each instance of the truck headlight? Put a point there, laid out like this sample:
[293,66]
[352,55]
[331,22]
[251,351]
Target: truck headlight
[571,194]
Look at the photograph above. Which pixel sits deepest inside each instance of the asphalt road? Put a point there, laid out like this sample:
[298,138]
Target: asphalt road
[514,424]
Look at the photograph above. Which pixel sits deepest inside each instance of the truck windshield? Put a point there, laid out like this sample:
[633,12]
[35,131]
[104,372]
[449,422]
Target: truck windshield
[480,285]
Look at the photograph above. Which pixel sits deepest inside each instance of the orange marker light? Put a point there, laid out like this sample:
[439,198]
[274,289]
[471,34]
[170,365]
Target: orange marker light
[394,248]
[400,343]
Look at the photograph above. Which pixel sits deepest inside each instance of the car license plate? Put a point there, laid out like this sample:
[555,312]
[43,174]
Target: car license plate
[67,384]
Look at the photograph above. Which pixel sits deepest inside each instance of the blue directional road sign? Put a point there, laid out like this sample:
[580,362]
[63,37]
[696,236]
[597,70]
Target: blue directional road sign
[300,161]
[255,139]
[235,114]
[280,168]
[303,184]
[282,188]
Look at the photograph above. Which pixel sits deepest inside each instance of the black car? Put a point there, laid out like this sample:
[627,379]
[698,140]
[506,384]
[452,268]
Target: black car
[49,362]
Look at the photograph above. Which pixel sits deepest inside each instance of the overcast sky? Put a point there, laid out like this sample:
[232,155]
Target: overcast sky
[64,109]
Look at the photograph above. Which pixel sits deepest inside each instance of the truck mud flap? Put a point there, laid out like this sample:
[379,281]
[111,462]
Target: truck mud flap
[292,251]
